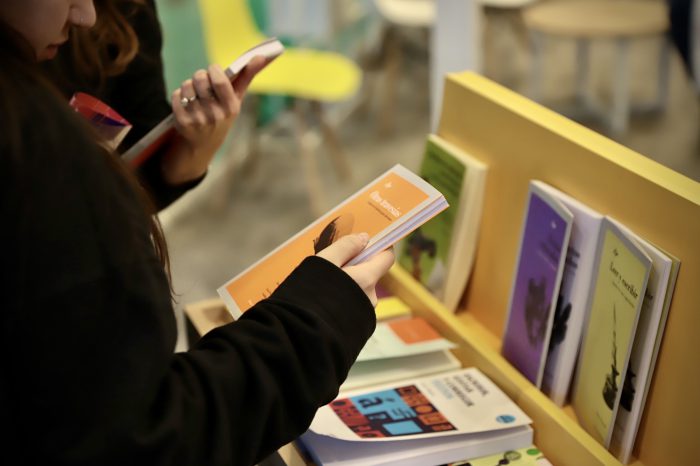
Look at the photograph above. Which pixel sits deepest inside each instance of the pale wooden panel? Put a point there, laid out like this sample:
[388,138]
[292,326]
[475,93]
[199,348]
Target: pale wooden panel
[521,140]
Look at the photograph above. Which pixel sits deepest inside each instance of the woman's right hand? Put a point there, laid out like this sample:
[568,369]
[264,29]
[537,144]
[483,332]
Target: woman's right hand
[365,274]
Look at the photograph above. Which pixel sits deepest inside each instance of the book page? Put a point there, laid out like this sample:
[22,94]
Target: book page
[458,402]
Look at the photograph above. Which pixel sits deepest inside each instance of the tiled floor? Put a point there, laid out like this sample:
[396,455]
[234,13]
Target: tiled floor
[238,215]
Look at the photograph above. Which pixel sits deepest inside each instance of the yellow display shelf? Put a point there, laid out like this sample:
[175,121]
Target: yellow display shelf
[520,140]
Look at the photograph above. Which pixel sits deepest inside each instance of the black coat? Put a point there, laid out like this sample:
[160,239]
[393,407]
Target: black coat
[87,328]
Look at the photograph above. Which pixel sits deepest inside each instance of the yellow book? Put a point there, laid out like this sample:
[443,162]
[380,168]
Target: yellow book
[622,270]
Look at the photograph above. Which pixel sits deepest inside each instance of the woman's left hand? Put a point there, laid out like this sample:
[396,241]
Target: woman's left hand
[205,108]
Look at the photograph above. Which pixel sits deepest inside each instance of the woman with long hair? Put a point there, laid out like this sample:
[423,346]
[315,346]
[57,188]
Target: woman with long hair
[118,60]
[87,328]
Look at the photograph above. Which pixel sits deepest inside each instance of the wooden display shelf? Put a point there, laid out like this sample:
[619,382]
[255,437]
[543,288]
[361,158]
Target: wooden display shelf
[521,140]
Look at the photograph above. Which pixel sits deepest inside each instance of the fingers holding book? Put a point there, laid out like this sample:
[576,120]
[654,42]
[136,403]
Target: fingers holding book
[366,274]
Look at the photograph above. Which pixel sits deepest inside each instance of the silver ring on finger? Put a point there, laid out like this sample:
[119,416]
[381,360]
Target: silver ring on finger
[186,101]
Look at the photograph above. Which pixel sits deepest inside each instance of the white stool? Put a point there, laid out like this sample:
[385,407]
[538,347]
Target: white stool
[620,21]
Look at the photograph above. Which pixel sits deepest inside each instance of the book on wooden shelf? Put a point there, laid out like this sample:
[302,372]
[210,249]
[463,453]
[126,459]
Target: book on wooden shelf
[645,348]
[440,254]
[572,301]
[162,133]
[527,456]
[388,208]
[400,349]
[430,420]
[539,267]
[621,273]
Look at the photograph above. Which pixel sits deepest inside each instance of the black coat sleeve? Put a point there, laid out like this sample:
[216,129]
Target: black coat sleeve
[87,329]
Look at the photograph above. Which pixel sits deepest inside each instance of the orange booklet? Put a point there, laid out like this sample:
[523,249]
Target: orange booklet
[388,208]
[163,131]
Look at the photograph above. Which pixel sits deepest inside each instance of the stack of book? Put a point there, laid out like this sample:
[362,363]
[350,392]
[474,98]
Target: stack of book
[438,419]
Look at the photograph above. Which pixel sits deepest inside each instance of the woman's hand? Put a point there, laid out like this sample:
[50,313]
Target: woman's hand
[365,274]
[205,108]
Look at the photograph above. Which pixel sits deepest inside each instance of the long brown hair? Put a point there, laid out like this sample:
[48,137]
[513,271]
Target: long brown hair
[18,55]
[107,48]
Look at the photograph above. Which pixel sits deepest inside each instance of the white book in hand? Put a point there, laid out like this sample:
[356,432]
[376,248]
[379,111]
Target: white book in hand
[570,311]
[387,209]
[163,131]
[645,348]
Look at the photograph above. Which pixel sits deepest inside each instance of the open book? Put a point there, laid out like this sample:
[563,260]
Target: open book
[388,208]
[540,264]
[430,420]
[163,131]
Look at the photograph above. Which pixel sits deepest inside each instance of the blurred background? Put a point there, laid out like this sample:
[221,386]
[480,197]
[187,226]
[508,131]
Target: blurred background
[361,90]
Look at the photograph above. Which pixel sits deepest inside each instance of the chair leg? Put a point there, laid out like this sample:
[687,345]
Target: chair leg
[392,69]
[251,159]
[340,161]
[664,69]
[308,161]
[583,85]
[536,71]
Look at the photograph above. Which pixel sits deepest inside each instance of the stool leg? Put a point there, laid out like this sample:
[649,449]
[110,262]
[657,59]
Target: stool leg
[536,72]
[583,86]
[392,69]
[620,104]
[312,177]
[340,161]
[664,68]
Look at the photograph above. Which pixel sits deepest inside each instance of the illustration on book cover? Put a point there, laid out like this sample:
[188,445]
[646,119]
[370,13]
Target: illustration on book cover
[391,413]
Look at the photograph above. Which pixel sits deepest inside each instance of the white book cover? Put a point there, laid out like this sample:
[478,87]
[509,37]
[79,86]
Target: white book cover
[650,328]
[440,254]
[327,451]
[270,48]
[381,371]
[570,311]
[446,404]
[428,420]
[544,240]
[387,209]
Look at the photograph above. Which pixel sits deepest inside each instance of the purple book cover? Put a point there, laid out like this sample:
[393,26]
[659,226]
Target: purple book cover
[544,241]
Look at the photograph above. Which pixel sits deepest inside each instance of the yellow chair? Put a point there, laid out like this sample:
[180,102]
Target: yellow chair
[310,76]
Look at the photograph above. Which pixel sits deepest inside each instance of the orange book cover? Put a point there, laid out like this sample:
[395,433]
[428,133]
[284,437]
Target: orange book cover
[387,209]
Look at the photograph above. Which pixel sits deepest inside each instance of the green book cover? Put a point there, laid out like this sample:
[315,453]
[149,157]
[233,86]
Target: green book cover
[622,271]
[530,456]
[425,252]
